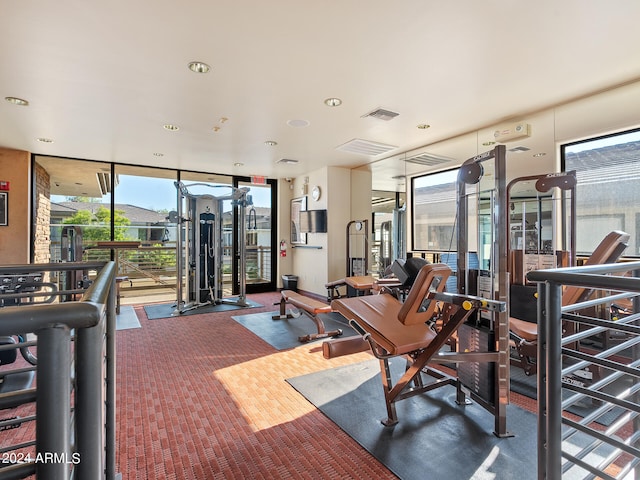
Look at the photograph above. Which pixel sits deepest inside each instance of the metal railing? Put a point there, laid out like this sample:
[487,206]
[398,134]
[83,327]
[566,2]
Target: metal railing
[586,365]
[75,378]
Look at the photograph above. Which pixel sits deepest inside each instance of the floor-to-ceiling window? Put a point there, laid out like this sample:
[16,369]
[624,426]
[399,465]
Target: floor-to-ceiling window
[145,234]
[86,210]
[607,193]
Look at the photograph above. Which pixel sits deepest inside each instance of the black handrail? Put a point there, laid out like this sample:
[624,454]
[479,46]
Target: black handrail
[91,448]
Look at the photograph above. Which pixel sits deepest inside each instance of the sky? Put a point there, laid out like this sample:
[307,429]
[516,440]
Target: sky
[161,193]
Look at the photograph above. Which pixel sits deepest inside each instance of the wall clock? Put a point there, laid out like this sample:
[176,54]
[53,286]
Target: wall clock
[315,193]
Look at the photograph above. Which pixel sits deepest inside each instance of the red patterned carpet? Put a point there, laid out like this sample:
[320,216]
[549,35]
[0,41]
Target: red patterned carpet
[201,397]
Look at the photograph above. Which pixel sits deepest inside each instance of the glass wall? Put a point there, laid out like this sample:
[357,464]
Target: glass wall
[95,211]
[607,194]
[260,257]
[144,236]
[434,211]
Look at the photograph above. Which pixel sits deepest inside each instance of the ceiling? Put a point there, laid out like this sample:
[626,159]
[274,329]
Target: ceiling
[102,79]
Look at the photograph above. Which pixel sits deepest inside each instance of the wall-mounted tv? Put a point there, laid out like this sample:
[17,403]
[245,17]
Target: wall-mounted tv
[313,221]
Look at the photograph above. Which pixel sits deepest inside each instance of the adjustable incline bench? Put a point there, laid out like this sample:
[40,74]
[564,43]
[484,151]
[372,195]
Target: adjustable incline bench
[524,334]
[311,308]
[392,328]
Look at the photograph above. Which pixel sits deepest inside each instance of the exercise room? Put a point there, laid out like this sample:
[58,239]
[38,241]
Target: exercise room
[278,241]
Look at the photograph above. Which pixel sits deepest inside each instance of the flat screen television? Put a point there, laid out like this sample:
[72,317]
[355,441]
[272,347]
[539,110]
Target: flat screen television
[313,221]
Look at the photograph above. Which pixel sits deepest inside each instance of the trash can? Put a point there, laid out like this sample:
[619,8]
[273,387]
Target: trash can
[290,282]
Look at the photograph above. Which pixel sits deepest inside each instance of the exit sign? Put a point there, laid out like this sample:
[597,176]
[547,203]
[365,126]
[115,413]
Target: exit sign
[4,185]
[258,180]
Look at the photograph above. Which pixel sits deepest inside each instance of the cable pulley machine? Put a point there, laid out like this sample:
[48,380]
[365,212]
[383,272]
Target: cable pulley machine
[201,244]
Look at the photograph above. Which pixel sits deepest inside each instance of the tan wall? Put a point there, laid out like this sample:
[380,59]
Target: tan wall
[14,238]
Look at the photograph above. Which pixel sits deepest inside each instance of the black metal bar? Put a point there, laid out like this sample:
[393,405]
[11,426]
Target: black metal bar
[53,402]
[88,401]
[110,395]
[550,324]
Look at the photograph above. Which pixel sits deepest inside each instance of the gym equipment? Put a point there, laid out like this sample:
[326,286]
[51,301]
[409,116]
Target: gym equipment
[71,250]
[393,328]
[309,307]
[525,334]
[481,208]
[200,244]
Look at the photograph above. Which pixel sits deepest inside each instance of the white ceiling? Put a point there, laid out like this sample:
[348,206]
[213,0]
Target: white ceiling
[102,78]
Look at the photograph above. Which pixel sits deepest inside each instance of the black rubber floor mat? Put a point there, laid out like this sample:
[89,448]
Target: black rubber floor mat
[283,334]
[167,310]
[435,438]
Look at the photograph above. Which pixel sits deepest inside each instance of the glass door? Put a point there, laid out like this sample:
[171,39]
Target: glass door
[260,258]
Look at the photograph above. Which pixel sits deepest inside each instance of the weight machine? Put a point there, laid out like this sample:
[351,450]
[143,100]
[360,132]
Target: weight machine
[201,242]
[481,212]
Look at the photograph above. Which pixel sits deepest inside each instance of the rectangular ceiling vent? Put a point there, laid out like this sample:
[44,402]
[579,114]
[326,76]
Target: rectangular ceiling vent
[104,182]
[427,160]
[287,161]
[519,149]
[381,114]
[365,147]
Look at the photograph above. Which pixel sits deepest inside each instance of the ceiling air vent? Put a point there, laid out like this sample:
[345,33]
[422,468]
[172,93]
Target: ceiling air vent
[381,114]
[519,149]
[287,161]
[427,160]
[365,147]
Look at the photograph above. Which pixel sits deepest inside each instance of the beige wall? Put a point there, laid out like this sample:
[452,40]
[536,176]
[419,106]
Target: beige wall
[346,195]
[14,238]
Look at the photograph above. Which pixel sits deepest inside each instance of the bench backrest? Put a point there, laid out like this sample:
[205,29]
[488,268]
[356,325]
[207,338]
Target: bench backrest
[608,251]
[416,309]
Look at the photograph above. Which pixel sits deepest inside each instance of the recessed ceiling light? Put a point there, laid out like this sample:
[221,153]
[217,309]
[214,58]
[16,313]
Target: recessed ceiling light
[17,101]
[170,127]
[44,140]
[541,154]
[158,154]
[238,164]
[298,123]
[423,126]
[333,102]
[199,67]
[271,143]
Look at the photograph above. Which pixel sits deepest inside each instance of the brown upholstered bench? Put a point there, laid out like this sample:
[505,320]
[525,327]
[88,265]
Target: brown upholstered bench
[393,328]
[311,308]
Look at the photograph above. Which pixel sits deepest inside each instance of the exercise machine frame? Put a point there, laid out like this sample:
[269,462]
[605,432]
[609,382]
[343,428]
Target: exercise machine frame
[474,181]
[203,217]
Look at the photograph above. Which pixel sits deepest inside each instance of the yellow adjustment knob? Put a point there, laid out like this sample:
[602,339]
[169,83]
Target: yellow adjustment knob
[535,295]
[467,305]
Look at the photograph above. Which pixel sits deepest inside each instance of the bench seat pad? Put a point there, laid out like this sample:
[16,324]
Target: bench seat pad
[378,315]
[362,282]
[305,303]
[524,329]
